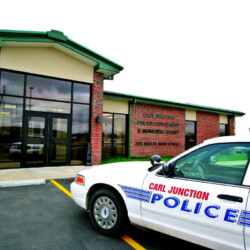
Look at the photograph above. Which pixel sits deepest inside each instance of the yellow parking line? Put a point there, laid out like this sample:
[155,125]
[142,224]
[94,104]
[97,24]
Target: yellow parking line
[126,238]
[62,188]
[132,243]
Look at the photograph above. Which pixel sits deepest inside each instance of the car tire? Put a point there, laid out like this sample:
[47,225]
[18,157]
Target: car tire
[108,214]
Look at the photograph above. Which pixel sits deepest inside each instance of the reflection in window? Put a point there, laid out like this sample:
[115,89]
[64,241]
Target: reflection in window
[81,93]
[35,140]
[36,127]
[11,114]
[47,106]
[80,124]
[11,83]
[80,133]
[60,128]
[59,141]
[218,163]
[37,89]
[190,134]
[47,88]
[107,128]
[119,135]
[113,135]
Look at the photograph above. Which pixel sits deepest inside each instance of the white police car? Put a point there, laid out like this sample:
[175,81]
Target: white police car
[201,196]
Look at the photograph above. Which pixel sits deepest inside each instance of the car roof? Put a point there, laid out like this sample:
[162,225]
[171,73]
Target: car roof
[227,139]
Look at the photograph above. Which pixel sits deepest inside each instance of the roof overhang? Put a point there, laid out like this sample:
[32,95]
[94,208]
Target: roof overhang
[57,40]
[146,100]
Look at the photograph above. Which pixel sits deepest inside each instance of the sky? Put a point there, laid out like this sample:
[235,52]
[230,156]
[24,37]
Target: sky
[188,51]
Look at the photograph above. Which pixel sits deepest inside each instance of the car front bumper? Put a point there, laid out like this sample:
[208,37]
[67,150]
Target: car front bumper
[79,194]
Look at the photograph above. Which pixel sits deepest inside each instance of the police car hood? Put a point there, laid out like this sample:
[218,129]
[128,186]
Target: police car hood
[124,173]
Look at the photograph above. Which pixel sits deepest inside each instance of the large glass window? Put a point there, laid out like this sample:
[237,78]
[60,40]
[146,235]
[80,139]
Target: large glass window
[114,135]
[81,93]
[107,135]
[80,133]
[119,138]
[11,83]
[190,134]
[218,163]
[11,114]
[80,124]
[47,95]
[47,88]
[47,106]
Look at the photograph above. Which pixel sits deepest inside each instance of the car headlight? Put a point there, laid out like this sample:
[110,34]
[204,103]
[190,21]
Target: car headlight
[79,179]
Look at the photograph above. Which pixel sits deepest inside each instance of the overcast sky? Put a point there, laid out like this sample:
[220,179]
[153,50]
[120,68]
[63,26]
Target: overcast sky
[185,51]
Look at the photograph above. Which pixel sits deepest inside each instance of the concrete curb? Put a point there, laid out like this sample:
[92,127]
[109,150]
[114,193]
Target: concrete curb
[22,183]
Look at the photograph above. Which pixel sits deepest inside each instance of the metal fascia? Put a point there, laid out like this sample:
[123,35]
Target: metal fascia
[55,34]
[108,95]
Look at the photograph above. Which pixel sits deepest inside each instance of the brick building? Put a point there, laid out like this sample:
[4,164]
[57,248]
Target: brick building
[53,110]
[158,126]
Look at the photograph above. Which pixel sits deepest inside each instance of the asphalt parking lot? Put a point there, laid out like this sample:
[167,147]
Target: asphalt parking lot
[44,217]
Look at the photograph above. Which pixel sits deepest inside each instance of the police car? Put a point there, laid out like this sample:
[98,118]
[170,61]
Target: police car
[201,196]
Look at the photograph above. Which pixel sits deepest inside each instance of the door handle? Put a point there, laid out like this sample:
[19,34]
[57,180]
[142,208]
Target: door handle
[230,197]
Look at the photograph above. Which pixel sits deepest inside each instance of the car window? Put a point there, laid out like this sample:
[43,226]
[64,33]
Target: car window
[225,163]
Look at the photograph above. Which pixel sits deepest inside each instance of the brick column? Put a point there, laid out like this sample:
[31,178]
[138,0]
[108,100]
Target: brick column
[231,123]
[96,128]
[208,126]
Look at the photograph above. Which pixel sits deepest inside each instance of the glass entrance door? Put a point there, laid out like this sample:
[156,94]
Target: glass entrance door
[58,146]
[35,140]
[46,139]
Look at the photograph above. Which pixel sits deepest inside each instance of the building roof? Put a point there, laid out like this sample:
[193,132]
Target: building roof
[146,100]
[58,40]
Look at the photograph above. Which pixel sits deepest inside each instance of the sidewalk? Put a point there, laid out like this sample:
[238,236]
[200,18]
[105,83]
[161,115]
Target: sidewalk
[42,173]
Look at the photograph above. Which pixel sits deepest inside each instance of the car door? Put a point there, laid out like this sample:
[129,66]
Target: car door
[245,214]
[202,198]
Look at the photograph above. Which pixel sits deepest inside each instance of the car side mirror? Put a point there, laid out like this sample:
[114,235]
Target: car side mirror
[167,169]
[155,160]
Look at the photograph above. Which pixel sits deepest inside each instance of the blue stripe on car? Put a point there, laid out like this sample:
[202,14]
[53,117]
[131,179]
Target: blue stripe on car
[137,194]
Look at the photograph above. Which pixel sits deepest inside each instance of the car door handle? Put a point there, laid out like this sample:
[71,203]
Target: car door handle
[230,197]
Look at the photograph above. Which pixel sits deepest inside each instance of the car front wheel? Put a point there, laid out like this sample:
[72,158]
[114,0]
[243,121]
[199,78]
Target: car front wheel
[107,212]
